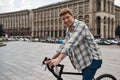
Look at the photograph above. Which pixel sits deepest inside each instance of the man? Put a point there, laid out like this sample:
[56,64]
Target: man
[79,45]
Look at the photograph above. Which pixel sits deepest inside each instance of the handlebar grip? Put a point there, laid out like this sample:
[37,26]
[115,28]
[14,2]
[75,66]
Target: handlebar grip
[51,69]
[45,59]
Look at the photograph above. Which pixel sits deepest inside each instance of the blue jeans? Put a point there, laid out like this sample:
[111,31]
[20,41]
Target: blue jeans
[89,72]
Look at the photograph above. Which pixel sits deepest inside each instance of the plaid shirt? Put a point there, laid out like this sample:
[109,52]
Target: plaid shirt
[80,46]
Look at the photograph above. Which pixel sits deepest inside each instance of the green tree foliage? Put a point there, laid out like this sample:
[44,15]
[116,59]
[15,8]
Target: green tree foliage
[1,30]
[117,31]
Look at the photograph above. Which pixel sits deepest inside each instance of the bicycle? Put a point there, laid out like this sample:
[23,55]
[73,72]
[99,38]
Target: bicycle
[58,75]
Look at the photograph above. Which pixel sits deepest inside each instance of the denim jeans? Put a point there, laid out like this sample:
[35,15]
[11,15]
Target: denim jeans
[89,72]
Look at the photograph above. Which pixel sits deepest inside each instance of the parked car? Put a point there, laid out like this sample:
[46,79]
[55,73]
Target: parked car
[61,41]
[118,43]
[103,42]
[12,39]
[112,41]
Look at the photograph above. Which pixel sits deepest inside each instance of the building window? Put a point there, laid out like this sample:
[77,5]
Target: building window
[104,5]
[98,5]
[86,16]
[86,8]
[98,23]
[75,8]
[81,9]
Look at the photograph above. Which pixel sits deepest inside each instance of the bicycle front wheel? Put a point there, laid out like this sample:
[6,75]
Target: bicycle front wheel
[106,77]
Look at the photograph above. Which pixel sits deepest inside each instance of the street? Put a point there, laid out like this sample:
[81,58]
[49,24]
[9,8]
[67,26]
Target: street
[22,61]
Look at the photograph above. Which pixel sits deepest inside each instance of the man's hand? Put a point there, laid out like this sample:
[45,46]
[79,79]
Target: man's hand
[52,62]
[56,61]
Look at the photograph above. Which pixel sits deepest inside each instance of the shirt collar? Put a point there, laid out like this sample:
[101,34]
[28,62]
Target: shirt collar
[76,22]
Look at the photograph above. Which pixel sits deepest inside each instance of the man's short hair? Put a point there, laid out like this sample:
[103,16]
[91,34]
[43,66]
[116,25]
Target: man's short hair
[65,11]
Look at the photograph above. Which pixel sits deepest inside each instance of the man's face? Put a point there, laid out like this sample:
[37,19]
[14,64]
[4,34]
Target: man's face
[67,19]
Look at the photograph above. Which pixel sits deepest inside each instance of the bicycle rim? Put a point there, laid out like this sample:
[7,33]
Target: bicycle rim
[106,77]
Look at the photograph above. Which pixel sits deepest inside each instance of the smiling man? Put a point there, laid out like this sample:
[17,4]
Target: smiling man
[79,45]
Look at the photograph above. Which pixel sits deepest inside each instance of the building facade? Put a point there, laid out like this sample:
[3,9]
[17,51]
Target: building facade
[17,23]
[101,16]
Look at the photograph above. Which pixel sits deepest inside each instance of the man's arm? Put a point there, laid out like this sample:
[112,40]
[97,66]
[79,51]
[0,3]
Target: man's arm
[56,61]
[55,55]
[61,57]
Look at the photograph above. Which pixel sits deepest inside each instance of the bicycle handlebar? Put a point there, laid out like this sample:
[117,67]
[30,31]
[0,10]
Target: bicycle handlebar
[51,69]
[58,76]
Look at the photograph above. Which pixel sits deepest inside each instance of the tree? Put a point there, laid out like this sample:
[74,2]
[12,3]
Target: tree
[1,30]
[117,31]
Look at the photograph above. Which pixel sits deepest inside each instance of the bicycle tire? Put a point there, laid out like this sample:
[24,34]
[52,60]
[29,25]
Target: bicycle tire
[104,76]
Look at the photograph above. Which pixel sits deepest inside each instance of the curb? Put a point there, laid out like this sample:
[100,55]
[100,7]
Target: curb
[1,45]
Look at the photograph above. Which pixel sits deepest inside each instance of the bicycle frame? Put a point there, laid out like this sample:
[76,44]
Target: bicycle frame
[58,76]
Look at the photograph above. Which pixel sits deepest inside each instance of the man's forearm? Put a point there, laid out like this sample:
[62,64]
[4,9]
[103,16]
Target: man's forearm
[55,55]
[61,57]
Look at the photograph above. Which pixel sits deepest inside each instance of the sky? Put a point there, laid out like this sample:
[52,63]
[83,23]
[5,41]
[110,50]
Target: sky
[16,5]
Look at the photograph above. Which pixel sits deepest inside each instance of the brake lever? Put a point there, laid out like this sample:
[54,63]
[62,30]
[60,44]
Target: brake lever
[45,59]
[43,63]
[45,67]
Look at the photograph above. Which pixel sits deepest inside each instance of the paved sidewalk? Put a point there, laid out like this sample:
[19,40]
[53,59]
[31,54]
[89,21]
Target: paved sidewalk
[22,61]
